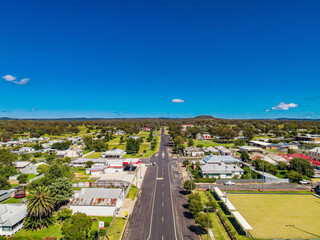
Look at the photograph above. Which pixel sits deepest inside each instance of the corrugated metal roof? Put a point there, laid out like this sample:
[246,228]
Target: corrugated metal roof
[97,197]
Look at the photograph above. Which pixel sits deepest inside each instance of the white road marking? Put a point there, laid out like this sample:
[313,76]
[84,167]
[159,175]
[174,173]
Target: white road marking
[154,196]
[162,204]
[162,193]
[162,219]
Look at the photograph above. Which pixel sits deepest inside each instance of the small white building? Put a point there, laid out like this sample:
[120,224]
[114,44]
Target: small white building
[114,153]
[11,218]
[97,201]
[71,153]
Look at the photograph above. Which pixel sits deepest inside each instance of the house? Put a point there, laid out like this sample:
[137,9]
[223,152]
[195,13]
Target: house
[114,153]
[213,159]
[20,165]
[97,201]
[11,218]
[203,136]
[6,194]
[71,153]
[119,132]
[31,168]
[134,137]
[185,126]
[26,150]
[255,155]
[260,144]
[193,152]
[309,138]
[147,129]
[211,150]
[225,151]
[250,149]
[314,153]
[221,170]
[289,157]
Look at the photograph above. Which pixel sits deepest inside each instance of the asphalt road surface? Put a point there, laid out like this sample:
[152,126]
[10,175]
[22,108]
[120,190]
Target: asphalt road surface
[159,213]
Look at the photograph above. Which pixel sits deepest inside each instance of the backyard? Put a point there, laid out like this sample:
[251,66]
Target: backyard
[280,215]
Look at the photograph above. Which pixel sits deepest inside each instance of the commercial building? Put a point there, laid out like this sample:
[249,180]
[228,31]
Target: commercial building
[97,201]
[114,153]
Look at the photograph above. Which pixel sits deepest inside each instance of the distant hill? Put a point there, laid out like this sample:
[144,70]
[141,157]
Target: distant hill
[205,117]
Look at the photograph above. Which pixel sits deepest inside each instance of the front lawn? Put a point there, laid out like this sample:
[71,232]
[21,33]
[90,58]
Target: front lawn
[14,200]
[132,192]
[55,229]
[52,231]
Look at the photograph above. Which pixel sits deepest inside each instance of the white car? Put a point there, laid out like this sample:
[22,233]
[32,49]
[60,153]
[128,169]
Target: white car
[229,183]
[304,181]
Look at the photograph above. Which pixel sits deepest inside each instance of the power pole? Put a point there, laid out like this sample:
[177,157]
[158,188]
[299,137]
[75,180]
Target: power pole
[262,175]
[208,223]
[250,179]
[114,226]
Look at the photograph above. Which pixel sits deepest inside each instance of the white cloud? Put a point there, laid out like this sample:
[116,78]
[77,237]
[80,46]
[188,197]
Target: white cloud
[23,81]
[12,79]
[178,101]
[9,78]
[284,106]
[267,110]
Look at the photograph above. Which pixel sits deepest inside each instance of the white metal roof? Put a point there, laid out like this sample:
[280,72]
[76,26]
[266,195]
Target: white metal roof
[241,220]
[229,204]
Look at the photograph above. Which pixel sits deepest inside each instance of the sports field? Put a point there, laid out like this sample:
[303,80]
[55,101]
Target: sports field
[280,215]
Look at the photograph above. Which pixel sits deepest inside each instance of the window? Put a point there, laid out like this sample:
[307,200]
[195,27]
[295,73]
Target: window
[7,229]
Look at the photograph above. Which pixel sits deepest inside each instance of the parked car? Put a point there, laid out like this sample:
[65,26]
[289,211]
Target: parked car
[229,183]
[304,182]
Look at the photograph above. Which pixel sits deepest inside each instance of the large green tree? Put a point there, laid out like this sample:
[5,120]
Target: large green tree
[61,190]
[302,166]
[7,157]
[4,184]
[77,227]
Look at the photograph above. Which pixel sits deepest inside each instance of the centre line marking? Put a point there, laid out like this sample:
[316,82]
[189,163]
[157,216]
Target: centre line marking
[162,219]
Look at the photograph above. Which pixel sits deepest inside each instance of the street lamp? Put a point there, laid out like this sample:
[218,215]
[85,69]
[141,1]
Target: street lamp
[262,175]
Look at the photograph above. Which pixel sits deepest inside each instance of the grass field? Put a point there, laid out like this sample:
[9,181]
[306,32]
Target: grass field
[280,215]
[208,143]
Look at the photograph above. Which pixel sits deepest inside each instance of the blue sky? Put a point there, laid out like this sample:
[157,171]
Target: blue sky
[230,59]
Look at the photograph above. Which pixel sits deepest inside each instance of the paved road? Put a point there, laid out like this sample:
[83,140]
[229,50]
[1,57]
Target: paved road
[159,212]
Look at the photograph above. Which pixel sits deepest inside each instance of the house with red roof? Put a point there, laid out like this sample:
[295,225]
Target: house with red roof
[289,157]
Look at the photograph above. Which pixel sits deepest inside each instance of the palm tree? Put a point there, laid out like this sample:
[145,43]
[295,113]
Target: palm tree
[40,206]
